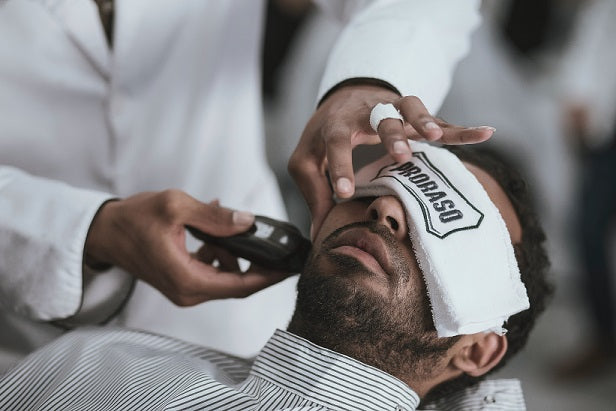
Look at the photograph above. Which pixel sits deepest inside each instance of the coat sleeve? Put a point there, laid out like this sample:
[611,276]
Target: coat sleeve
[43,228]
[413,45]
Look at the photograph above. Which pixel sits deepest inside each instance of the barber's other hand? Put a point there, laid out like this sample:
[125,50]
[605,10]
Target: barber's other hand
[342,122]
[145,235]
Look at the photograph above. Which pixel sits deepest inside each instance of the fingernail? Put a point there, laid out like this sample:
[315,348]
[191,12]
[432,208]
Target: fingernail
[431,125]
[312,233]
[492,129]
[401,147]
[343,185]
[243,218]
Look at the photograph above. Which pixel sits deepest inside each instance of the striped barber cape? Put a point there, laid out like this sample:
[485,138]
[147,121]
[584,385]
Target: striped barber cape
[119,369]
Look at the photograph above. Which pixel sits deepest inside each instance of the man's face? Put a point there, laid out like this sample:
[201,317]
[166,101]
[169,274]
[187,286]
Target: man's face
[363,287]
[366,243]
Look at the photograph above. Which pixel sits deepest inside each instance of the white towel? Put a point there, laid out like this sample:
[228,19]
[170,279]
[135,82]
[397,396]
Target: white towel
[459,238]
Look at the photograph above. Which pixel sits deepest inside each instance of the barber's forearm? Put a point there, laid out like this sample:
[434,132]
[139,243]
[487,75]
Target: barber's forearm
[43,226]
[361,82]
[411,45]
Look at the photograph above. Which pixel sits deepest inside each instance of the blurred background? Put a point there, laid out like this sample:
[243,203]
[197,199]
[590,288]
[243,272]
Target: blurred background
[543,73]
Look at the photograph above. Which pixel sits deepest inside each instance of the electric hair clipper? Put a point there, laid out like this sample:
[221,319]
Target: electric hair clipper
[269,243]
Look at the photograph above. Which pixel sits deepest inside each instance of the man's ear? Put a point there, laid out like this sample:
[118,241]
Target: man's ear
[481,354]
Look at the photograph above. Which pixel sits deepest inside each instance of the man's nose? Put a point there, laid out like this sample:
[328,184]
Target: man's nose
[388,211]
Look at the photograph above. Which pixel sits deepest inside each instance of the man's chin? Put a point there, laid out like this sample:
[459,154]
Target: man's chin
[328,306]
[327,279]
[335,311]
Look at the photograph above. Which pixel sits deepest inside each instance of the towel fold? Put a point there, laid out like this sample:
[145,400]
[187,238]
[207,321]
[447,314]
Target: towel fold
[459,238]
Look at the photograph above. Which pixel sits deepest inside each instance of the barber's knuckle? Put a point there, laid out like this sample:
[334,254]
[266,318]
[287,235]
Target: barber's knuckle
[183,301]
[171,278]
[249,289]
[172,294]
[186,286]
[172,203]
[333,131]
[181,294]
[303,168]
[173,297]
[441,121]
[411,99]
[243,293]
[330,113]
[295,166]
[390,127]
[410,103]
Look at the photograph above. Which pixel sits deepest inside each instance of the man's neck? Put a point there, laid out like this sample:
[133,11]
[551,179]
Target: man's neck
[419,381]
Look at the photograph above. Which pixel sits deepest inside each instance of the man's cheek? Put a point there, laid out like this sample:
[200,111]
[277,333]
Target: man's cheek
[331,223]
[342,214]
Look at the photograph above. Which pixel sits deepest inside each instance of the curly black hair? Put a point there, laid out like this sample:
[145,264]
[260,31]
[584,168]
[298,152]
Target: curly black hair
[530,253]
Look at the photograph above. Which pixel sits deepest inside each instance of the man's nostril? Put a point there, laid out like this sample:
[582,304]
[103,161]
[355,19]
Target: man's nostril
[393,223]
[374,214]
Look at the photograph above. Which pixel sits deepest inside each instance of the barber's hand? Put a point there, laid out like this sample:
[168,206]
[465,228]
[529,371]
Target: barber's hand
[342,122]
[145,235]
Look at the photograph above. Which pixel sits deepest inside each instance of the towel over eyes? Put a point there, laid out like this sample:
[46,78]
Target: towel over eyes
[459,237]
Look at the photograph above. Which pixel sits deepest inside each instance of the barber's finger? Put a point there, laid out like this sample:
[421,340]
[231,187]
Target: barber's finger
[314,186]
[416,114]
[466,135]
[340,162]
[393,135]
[224,284]
[219,221]
[410,132]
[209,253]
[256,268]
[228,262]
[205,254]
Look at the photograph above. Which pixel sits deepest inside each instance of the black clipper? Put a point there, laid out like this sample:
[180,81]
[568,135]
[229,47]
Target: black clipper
[269,243]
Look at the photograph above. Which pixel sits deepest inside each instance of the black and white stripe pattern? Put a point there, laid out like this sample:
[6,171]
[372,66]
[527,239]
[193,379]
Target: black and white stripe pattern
[112,369]
[493,395]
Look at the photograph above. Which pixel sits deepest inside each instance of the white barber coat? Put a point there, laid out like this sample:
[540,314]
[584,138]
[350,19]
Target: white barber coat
[175,104]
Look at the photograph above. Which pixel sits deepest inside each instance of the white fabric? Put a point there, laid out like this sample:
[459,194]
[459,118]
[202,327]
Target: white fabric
[413,45]
[151,114]
[459,237]
[382,111]
[29,293]
[146,372]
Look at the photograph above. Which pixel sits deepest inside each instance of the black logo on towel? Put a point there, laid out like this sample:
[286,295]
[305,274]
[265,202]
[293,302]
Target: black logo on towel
[445,209]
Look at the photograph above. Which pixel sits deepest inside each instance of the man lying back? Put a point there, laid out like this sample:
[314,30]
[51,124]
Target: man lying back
[371,330]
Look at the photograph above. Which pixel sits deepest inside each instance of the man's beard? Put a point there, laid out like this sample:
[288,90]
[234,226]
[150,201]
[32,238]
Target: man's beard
[335,311]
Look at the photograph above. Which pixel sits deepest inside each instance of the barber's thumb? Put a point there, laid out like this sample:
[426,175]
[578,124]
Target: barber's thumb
[242,218]
[221,221]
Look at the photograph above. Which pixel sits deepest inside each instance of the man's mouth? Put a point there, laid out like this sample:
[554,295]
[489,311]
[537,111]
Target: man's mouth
[366,247]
